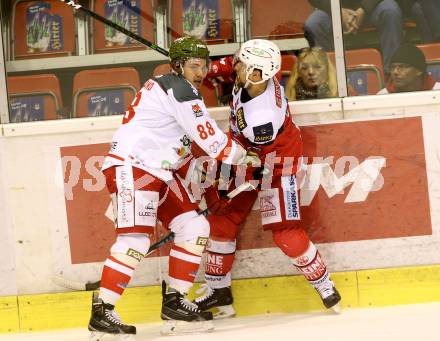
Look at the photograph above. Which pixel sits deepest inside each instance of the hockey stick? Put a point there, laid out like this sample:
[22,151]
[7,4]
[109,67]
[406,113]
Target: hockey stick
[81,286]
[116,26]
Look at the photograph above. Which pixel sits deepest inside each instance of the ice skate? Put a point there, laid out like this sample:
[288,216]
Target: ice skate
[330,297]
[182,316]
[105,323]
[218,301]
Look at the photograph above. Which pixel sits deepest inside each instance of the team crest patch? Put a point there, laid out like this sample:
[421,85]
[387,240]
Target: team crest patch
[270,206]
[197,110]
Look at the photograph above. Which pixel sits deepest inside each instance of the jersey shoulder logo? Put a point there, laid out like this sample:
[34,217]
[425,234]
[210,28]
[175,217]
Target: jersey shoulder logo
[263,133]
[240,120]
[197,110]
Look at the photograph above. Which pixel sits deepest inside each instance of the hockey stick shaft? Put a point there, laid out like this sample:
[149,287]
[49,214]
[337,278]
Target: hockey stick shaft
[116,26]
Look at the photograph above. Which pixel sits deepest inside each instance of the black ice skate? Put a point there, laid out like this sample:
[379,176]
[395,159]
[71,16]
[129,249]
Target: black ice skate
[330,297]
[181,315]
[218,301]
[105,320]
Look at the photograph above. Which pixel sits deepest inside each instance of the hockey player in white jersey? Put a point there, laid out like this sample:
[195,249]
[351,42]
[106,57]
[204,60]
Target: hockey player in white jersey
[260,120]
[158,127]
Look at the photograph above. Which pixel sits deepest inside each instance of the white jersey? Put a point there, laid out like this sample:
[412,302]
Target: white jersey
[264,125]
[167,114]
[259,119]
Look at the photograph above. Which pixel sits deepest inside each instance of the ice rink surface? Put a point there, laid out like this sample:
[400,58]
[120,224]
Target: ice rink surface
[397,323]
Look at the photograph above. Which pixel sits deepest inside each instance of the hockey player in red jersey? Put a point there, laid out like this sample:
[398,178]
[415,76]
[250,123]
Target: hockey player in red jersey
[260,121]
[158,127]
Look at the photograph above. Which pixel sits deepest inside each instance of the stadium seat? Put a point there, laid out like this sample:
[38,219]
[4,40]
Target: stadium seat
[34,97]
[281,21]
[364,70]
[432,54]
[210,21]
[42,29]
[287,63]
[162,69]
[103,92]
[138,18]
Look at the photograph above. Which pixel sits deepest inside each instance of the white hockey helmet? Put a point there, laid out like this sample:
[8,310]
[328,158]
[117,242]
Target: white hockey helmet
[260,54]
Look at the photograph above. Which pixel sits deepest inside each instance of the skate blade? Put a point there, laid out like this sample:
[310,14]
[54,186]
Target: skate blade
[336,309]
[175,327]
[223,312]
[99,336]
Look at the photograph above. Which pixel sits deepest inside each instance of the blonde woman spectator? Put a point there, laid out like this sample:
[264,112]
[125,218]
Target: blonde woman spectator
[313,76]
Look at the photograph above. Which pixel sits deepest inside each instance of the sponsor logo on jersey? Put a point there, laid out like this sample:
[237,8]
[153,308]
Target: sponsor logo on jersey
[291,199]
[186,141]
[113,146]
[202,241]
[149,85]
[182,151]
[126,195]
[135,254]
[197,110]
[148,210]
[302,260]
[241,122]
[278,100]
[314,270]
[214,147]
[214,264]
[263,133]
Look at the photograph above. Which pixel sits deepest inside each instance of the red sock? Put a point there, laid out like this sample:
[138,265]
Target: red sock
[115,278]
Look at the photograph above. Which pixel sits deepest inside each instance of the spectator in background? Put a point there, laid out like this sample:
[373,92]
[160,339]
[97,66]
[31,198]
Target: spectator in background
[408,72]
[313,76]
[386,15]
[431,13]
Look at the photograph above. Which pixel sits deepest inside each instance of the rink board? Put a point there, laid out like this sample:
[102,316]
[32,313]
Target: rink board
[290,294]
[56,218]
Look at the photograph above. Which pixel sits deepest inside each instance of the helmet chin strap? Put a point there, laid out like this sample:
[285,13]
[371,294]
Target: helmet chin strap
[249,81]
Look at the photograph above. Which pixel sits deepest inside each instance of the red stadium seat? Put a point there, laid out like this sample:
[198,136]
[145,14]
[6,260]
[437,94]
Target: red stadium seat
[278,20]
[431,51]
[287,63]
[364,70]
[103,92]
[210,21]
[162,69]
[29,102]
[42,29]
[138,19]
[432,54]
